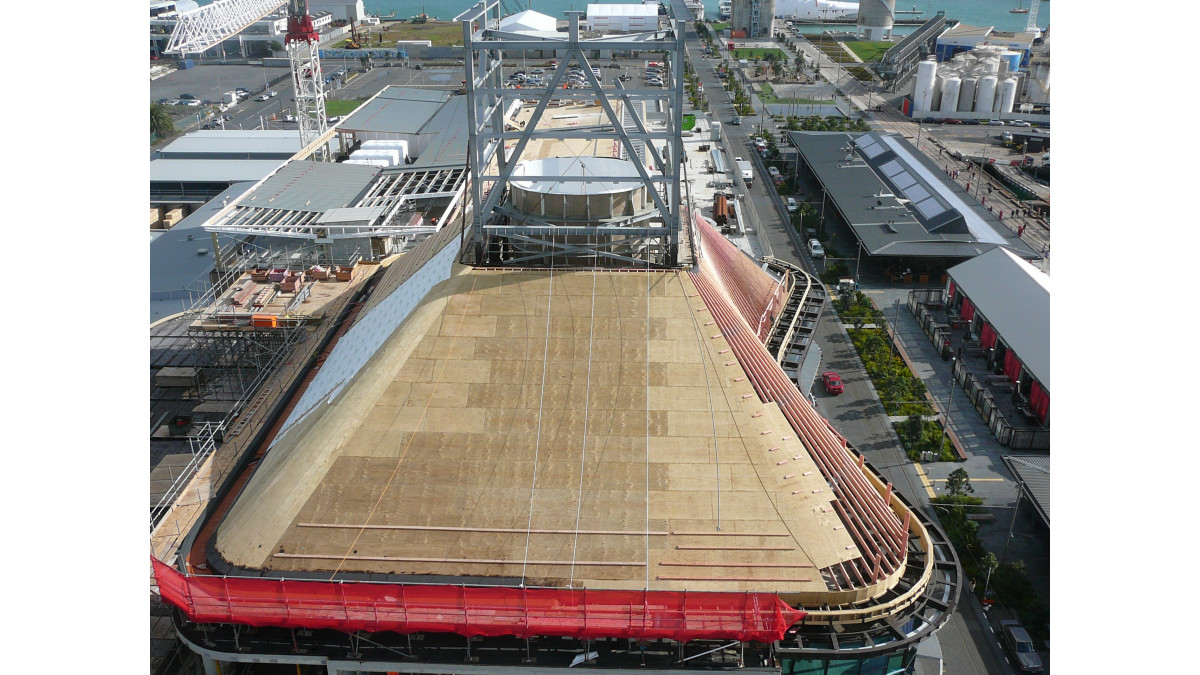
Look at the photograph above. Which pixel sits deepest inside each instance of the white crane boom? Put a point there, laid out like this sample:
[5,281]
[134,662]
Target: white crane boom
[207,26]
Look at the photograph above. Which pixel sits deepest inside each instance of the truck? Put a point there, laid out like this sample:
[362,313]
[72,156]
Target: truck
[746,171]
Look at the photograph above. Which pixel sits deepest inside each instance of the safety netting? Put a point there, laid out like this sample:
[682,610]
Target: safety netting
[471,611]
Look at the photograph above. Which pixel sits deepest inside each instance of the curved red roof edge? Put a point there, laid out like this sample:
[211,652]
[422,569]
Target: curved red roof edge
[523,612]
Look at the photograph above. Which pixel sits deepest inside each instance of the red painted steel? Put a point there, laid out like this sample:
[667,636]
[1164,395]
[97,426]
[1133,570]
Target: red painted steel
[523,612]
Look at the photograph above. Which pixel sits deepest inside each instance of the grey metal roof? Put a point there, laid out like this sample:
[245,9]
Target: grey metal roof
[311,186]
[175,267]
[443,139]
[210,171]
[399,110]
[234,144]
[1014,297]
[897,201]
[1033,471]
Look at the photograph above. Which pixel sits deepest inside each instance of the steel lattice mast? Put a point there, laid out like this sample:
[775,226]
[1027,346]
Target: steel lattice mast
[301,41]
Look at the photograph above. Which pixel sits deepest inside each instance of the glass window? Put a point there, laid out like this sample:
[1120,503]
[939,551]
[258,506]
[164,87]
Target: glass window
[803,666]
[844,667]
[876,665]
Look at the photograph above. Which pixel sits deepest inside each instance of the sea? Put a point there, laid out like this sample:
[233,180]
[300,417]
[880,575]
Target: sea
[993,13]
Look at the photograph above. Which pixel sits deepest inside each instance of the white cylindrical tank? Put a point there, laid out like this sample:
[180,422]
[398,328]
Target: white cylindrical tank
[923,86]
[986,95]
[390,154]
[875,18]
[950,92]
[1008,95]
[382,144]
[966,94]
[577,201]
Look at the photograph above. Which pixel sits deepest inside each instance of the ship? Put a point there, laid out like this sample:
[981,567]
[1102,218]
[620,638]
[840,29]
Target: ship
[724,9]
[815,10]
[1019,10]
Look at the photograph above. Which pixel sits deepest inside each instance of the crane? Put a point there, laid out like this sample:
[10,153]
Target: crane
[301,44]
[200,29]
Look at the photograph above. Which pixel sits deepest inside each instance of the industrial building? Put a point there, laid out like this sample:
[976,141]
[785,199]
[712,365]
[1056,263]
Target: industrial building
[752,19]
[961,38]
[900,206]
[623,18]
[1004,303]
[551,433]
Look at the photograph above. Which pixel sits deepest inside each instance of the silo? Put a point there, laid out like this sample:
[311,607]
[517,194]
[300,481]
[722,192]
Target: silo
[1012,59]
[576,201]
[923,85]
[875,19]
[1008,95]
[935,101]
[950,93]
[966,94]
[986,95]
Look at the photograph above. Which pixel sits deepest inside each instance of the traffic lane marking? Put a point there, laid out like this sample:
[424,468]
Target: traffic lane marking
[924,479]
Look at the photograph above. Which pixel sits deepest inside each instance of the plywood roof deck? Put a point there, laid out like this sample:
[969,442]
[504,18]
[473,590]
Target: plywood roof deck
[593,449]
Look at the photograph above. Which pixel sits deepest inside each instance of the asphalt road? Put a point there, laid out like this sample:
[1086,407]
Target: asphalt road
[968,642]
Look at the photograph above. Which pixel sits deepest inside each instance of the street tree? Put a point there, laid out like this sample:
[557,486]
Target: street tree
[161,123]
[959,483]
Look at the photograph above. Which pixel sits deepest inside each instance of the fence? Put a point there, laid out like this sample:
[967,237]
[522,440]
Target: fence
[1017,438]
[471,611]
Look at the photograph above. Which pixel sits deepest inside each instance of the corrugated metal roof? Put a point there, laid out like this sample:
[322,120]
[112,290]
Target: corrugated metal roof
[211,170]
[246,144]
[1014,296]
[1034,472]
[444,138]
[528,20]
[312,186]
[897,201]
[175,267]
[398,110]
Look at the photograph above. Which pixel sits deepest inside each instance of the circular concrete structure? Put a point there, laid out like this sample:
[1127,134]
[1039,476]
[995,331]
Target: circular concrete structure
[577,201]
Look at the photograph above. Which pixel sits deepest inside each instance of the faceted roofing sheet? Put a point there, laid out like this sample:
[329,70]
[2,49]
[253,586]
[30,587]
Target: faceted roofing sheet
[396,109]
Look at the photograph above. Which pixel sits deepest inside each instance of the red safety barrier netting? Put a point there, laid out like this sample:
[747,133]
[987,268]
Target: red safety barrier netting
[757,297]
[348,607]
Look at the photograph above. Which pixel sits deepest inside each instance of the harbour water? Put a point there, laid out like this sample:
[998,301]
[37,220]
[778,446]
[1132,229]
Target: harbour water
[971,12]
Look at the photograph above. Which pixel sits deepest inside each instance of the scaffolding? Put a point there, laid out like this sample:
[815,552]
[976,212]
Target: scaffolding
[503,234]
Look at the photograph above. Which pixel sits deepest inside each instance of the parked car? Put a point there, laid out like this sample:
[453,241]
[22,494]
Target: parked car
[791,205]
[262,97]
[335,119]
[625,78]
[735,121]
[833,383]
[996,123]
[242,90]
[814,249]
[187,97]
[1019,123]
[613,65]
[929,120]
[951,120]
[1016,640]
[536,71]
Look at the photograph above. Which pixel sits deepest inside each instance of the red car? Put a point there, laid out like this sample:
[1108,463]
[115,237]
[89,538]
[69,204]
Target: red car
[833,382]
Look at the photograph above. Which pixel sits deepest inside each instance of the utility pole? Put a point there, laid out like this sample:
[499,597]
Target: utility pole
[946,422]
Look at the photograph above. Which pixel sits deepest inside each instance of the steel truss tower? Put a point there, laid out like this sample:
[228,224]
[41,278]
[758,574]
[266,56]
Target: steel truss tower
[504,235]
[301,41]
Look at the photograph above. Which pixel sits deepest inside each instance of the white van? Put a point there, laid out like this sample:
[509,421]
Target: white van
[791,205]
[814,249]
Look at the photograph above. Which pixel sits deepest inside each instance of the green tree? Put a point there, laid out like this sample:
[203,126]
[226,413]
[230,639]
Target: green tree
[959,483]
[275,46]
[161,123]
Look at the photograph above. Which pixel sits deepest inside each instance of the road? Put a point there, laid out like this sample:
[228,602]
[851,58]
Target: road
[968,643]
